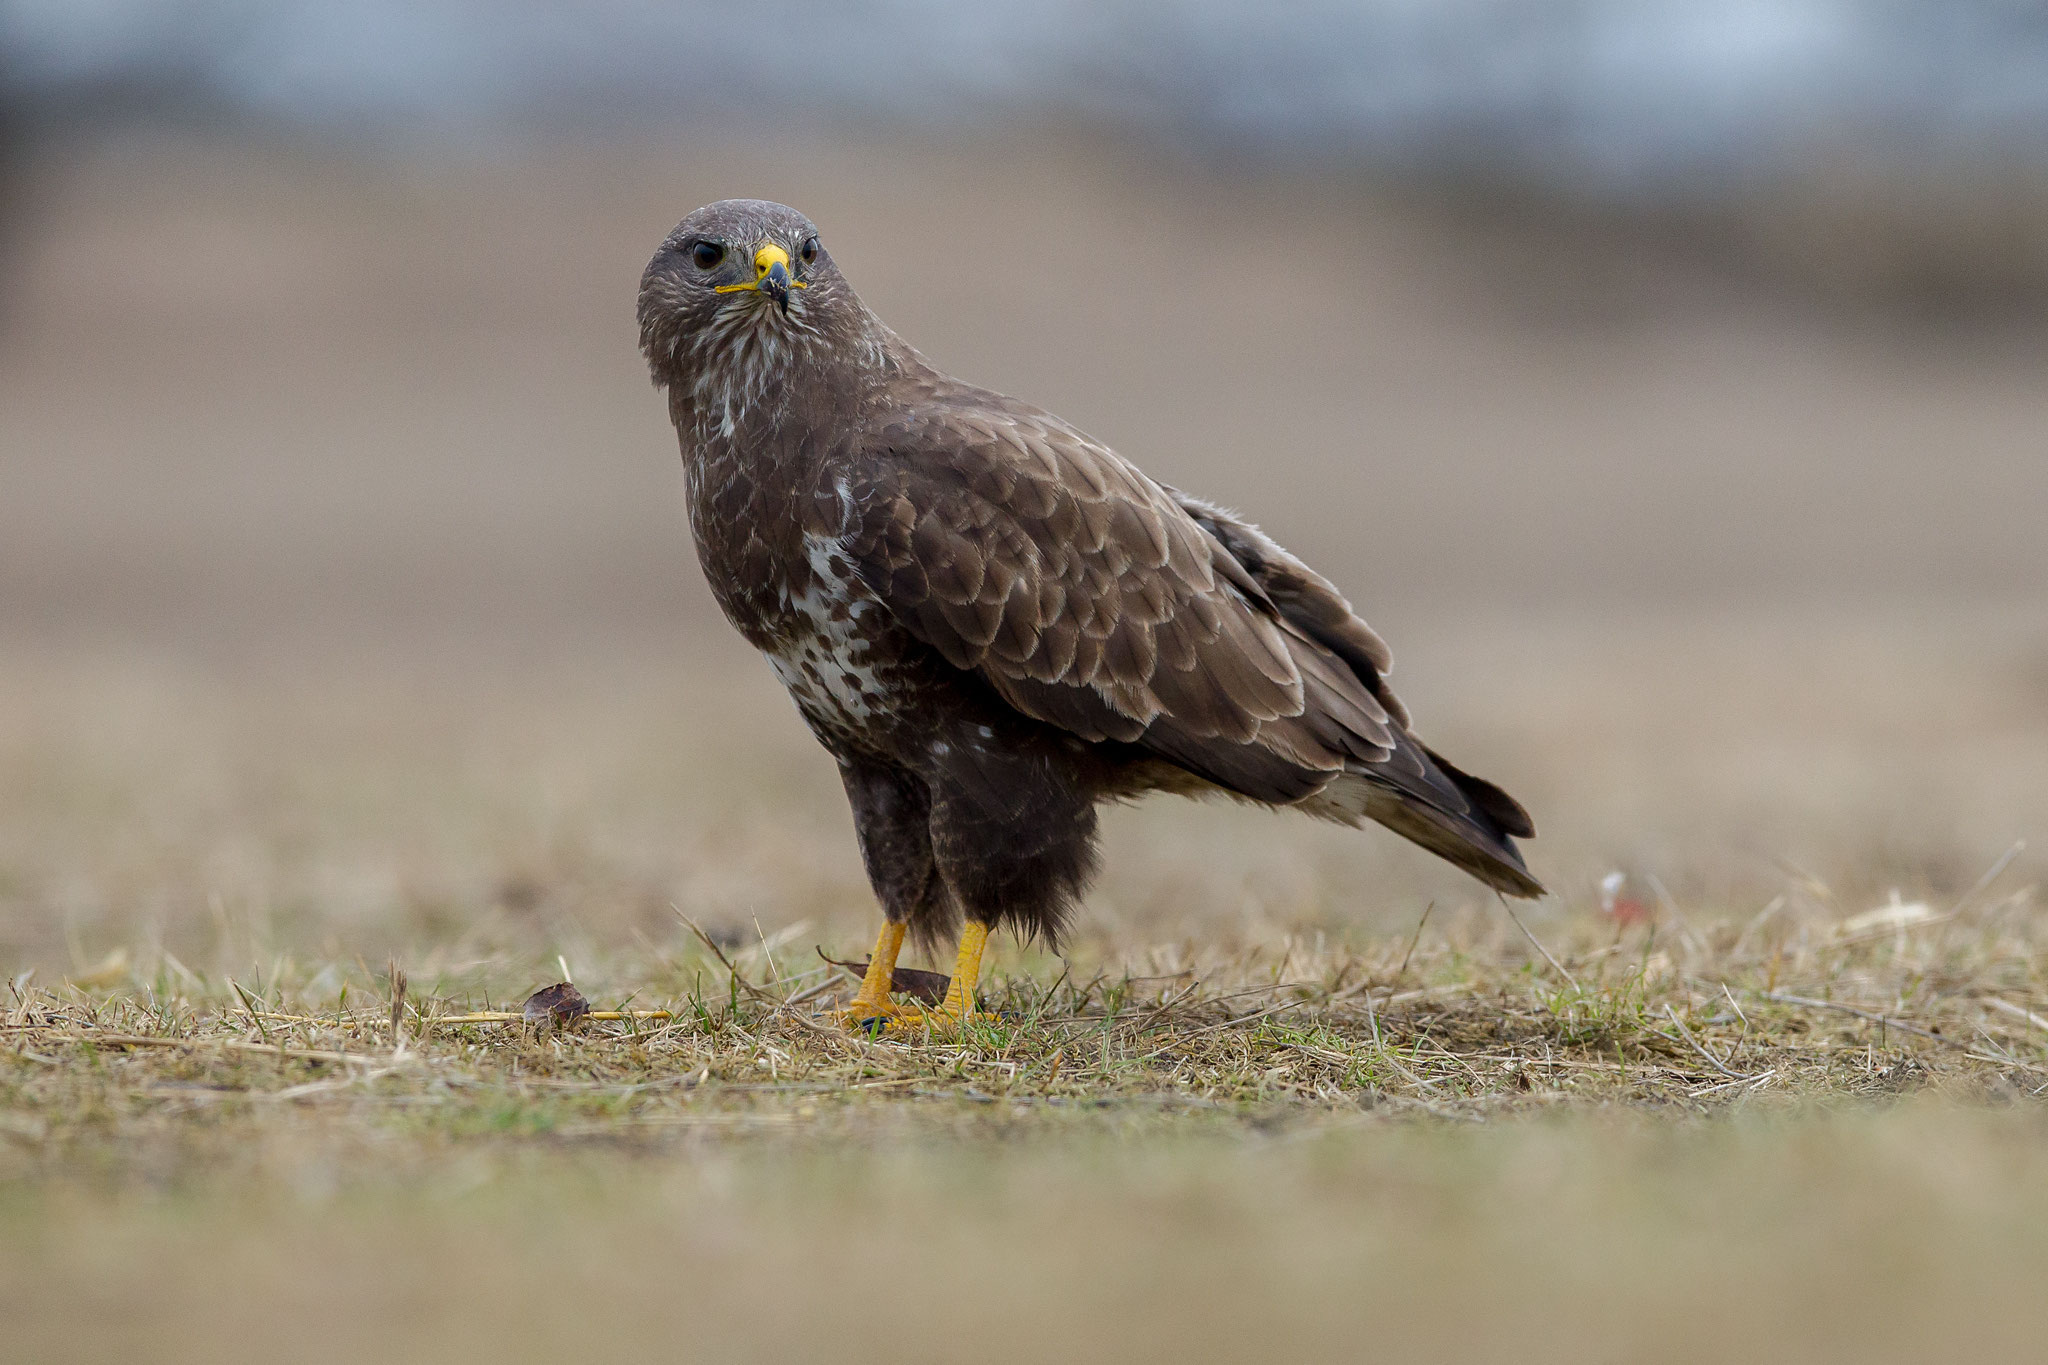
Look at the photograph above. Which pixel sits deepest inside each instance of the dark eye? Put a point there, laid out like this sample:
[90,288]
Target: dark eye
[707,254]
[808,252]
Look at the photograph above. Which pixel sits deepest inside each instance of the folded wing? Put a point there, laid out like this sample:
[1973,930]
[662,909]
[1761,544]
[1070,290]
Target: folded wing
[1097,600]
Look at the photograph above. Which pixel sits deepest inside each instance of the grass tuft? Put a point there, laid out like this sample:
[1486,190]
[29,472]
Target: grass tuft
[1470,1021]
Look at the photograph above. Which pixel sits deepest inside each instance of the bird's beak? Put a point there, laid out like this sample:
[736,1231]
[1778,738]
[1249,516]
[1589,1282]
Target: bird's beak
[771,277]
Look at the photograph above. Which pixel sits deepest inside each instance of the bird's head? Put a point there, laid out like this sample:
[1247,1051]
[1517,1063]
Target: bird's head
[739,278]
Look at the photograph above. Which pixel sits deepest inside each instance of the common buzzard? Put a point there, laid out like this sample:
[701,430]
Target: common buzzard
[994,622]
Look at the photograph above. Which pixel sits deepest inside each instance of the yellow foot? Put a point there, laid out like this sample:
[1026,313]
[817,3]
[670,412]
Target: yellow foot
[888,1019]
[875,1014]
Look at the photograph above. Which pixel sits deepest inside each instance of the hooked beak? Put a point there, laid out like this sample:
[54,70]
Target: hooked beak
[771,277]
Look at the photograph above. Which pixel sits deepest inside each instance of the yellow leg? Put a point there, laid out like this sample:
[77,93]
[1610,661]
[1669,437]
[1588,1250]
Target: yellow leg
[966,971]
[872,1011]
[871,1006]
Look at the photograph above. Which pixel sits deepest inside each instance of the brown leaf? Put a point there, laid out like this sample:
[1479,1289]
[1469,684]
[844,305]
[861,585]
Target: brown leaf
[558,1005]
[928,987]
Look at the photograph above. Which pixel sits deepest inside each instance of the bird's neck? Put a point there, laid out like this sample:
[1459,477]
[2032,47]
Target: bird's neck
[757,389]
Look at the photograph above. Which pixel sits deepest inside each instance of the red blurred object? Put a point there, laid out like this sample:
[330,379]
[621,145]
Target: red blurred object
[1618,906]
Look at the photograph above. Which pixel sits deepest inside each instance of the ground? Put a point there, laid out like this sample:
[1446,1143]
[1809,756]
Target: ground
[1323,1136]
[349,628]
[1331,1108]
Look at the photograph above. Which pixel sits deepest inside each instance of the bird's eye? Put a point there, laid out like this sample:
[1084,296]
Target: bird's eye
[808,252]
[707,254]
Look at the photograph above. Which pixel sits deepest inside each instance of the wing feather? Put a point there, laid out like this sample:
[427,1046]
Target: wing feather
[1095,599]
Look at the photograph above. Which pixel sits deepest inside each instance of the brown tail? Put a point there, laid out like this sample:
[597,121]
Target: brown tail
[1465,820]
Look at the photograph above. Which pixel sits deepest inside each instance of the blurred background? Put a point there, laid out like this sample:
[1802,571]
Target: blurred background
[1667,382]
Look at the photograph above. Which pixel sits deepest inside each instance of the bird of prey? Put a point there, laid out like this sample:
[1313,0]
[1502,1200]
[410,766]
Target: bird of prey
[994,622]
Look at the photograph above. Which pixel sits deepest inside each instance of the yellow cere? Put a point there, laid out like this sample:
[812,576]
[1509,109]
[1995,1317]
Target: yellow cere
[765,259]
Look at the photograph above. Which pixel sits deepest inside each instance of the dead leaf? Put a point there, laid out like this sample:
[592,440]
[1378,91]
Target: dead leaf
[558,1006]
[928,987]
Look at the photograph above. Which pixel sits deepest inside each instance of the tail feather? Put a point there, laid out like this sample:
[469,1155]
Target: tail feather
[1465,820]
[1501,808]
[1454,815]
[1468,843]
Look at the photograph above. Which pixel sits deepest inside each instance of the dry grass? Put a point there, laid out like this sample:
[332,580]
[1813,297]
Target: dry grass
[1680,1012]
[1794,1136]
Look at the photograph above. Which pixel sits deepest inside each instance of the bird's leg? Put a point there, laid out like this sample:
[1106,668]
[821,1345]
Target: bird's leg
[892,813]
[872,1011]
[958,1007]
[959,1004]
[871,1007]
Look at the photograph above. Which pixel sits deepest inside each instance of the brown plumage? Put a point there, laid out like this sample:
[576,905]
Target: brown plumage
[994,622]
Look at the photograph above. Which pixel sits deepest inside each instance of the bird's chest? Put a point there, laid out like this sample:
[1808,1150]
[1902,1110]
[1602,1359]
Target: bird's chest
[749,538]
[829,661]
[847,664]
[854,673]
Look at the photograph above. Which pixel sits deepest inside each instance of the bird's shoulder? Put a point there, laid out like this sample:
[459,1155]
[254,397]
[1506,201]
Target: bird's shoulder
[940,433]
